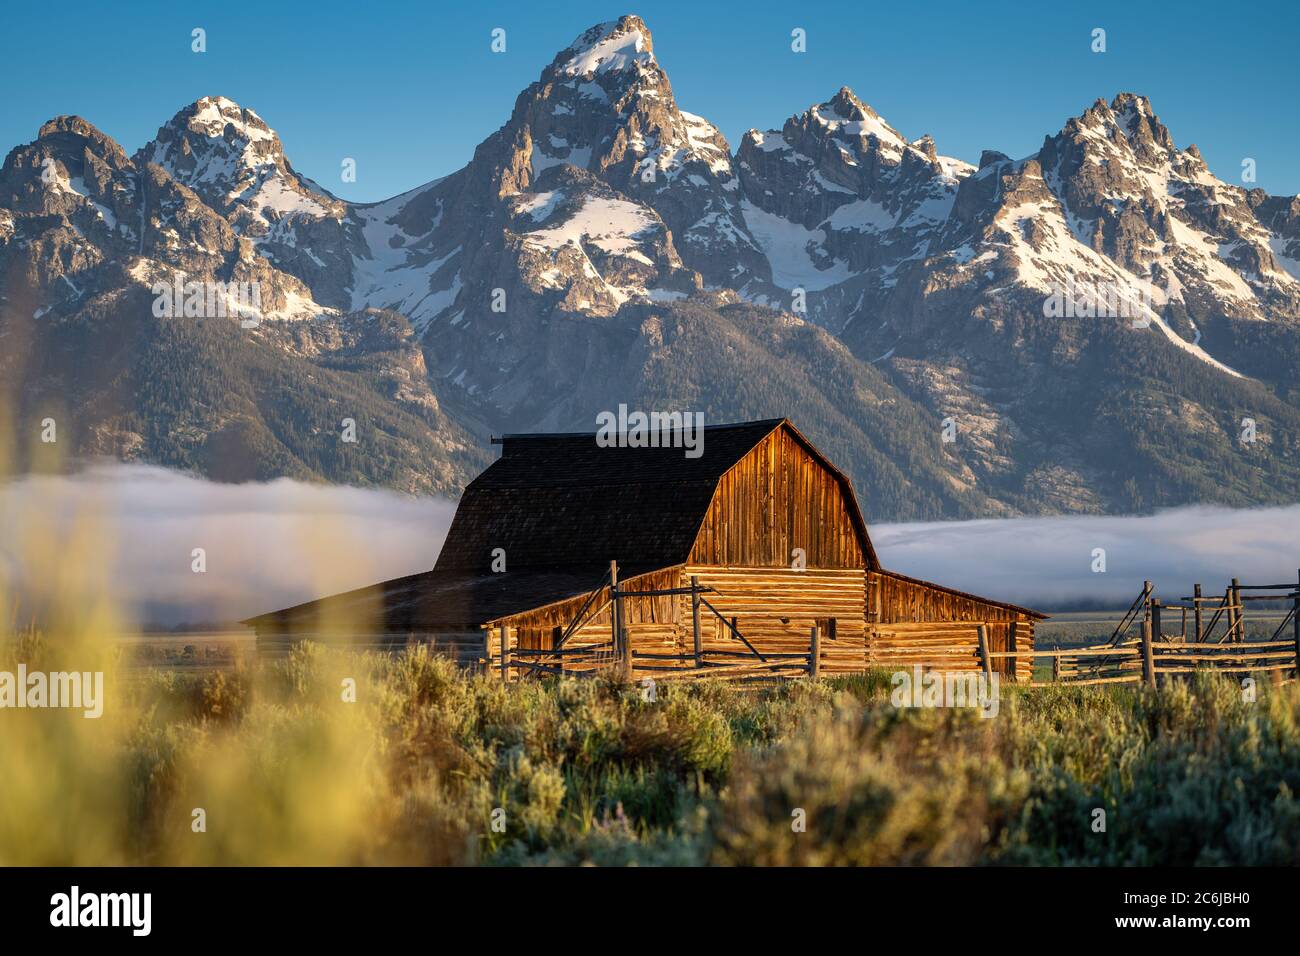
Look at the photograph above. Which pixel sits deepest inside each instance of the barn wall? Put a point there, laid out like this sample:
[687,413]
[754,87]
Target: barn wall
[909,620]
[759,599]
[651,620]
[775,609]
[775,499]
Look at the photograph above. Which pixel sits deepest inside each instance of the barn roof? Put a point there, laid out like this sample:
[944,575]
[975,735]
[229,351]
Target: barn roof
[562,500]
[560,507]
[438,600]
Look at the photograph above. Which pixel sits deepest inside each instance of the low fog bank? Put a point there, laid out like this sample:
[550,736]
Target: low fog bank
[130,531]
[133,529]
[1047,563]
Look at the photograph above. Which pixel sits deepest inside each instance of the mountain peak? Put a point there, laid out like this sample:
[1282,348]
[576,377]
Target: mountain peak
[215,147]
[844,115]
[68,124]
[233,161]
[846,104]
[75,130]
[615,45]
[1132,116]
[212,116]
[1125,103]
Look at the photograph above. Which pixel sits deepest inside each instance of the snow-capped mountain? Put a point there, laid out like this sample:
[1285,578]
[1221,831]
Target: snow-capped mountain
[941,326]
[839,202]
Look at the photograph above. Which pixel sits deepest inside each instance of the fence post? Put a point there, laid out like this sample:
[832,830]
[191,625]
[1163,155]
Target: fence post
[1236,622]
[1148,656]
[1230,610]
[815,654]
[1157,623]
[1011,646]
[1196,600]
[615,637]
[695,619]
[622,646]
[505,653]
[982,632]
[1295,625]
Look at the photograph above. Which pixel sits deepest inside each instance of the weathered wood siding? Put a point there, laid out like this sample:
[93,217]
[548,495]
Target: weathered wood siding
[775,499]
[650,620]
[910,622]
[775,609]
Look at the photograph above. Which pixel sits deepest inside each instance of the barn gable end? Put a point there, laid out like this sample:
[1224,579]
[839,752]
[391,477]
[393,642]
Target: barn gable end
[781,496]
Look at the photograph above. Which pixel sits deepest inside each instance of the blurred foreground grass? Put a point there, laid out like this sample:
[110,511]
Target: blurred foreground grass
[419,768]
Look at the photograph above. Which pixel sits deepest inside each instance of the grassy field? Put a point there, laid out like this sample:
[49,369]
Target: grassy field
[196,651]
[284,762]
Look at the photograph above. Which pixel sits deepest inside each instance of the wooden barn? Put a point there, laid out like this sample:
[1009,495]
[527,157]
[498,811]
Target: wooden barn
[768,528]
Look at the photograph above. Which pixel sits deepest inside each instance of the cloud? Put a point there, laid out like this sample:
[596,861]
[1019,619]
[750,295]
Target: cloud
[1047,562]
[129,531]
[132,529]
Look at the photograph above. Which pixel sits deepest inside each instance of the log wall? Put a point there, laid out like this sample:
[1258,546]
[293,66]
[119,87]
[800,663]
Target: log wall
[915,622]
[650,620]
[775,608]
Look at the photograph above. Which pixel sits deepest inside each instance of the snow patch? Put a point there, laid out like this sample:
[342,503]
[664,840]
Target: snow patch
[787,246]
[606,53]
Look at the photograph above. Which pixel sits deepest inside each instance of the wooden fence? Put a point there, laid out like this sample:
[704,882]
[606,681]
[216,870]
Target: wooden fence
[1144,660]
[1211,637]
[1217,643]
[617,655]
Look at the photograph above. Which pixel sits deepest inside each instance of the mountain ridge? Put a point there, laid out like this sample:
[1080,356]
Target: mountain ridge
[576,260]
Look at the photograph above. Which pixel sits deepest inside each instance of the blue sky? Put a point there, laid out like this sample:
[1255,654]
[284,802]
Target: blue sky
[408,89]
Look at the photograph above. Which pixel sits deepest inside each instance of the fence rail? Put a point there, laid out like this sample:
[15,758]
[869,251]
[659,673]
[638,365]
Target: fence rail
[1154,653]
[746,662]
[1123,659]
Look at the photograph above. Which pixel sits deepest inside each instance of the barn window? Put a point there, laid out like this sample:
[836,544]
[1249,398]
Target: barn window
[826,627]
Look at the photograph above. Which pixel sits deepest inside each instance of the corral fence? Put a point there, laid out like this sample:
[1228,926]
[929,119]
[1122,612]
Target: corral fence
[617,655]
[1211,636]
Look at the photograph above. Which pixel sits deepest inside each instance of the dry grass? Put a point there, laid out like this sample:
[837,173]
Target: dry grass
[287,772]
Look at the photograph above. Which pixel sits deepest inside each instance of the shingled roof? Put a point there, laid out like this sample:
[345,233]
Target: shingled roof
[563,501]
[561,507]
